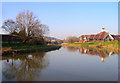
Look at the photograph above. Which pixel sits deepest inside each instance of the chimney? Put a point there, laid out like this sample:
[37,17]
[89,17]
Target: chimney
[103,30]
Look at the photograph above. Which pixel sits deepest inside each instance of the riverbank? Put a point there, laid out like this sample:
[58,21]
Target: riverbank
[107,46]
[12,49]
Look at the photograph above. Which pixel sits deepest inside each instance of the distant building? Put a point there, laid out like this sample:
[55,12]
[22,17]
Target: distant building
[52,40]
[6,38]
[102,36]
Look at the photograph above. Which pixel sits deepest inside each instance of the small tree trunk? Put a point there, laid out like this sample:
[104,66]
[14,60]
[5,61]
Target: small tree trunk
[24,41]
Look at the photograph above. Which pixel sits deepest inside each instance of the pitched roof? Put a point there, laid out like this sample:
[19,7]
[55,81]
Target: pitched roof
[91,37]
[116,37]
[96,36]
[100,35]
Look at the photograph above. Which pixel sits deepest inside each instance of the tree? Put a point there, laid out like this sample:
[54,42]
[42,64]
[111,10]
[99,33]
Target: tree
[26,26]
[29,26]
[40,31]
[71,39]
[9,26]
[26,22]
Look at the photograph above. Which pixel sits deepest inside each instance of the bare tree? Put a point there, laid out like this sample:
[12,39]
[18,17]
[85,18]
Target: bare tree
[41,30]
[29,26]
[9,26]
[71,39]
[26,26]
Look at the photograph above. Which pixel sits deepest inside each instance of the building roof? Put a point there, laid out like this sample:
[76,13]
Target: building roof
[100,35]
[116,37]
[91,36]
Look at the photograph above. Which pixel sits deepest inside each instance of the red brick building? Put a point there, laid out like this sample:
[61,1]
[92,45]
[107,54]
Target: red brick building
[102,36]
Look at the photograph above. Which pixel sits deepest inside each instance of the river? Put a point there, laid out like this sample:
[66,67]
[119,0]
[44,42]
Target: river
[65,64]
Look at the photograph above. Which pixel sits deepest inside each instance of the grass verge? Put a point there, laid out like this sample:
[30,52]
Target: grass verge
[107,46]
[19,48]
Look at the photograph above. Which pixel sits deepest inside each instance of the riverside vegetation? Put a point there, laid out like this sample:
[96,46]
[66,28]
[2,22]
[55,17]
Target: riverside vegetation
[107,46]
[28,30]
[20,48]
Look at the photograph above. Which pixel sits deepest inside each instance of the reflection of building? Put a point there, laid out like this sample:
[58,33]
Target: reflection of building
[102,36]
[102,59]
[102,54]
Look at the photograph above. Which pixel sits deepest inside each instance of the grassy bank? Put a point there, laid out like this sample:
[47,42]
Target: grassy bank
[9,49]
[108,46]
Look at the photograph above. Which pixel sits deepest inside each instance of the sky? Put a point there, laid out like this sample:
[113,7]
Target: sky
[68,18]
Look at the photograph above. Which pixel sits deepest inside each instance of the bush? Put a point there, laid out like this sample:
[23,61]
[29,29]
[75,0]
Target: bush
[71,39]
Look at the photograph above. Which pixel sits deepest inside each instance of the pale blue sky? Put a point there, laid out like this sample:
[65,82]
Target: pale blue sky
[68,18]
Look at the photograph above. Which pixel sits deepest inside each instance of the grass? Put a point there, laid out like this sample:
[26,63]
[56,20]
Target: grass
[17,44]
[97,43]
[28,47]
[108,46]
[23,46]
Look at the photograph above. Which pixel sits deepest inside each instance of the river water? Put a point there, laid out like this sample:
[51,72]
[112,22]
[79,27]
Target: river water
[65,64]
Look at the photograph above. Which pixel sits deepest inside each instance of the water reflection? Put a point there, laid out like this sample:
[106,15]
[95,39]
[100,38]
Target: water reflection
[92,52]
[66,64]
[24,67]
[71,49]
